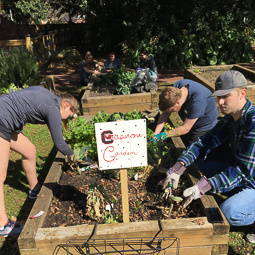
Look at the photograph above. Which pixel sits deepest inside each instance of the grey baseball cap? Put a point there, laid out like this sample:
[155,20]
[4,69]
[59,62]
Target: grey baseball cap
[227,82]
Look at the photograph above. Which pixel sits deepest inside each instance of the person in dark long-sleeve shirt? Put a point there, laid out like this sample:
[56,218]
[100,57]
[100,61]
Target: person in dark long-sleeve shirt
[35,105]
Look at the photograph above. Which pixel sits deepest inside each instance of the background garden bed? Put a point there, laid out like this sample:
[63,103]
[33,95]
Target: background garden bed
[117,103]
[207,76]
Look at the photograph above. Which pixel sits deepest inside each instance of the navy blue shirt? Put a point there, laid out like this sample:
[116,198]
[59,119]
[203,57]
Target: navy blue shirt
[35,105]
[108,64]
[198,105]
[84,74]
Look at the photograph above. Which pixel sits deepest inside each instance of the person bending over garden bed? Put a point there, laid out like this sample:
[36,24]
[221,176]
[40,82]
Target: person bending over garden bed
[225,155]
[197,110]
[35,105]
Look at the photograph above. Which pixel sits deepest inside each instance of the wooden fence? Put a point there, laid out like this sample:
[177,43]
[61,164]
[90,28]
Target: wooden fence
[42,46]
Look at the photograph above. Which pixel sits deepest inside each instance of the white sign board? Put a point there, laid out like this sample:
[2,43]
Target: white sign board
[121,144]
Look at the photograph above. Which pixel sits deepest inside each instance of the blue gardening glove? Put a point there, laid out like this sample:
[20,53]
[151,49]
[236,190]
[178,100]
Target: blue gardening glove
[159,137]
[173,175]
[139,69]
[196,191]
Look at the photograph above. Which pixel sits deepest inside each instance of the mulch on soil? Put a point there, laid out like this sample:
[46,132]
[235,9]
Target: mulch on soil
[70,205]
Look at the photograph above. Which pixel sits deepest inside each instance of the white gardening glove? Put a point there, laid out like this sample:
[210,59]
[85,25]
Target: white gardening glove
[171,178]
[173,175]
[196,191]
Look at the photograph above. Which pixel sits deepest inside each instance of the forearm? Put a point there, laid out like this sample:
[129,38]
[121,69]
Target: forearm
[162,120]
[158,128]
[88,70]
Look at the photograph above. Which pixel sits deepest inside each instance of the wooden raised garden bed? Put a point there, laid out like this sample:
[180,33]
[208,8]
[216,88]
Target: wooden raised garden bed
[117,103]
[207,76]
[192,235]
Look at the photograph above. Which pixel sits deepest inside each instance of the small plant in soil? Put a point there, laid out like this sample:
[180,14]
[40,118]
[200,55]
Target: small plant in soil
[80,155]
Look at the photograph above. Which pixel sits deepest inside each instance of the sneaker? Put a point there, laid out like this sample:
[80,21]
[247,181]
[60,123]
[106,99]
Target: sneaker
[34,192]
[251,237]
[7,228]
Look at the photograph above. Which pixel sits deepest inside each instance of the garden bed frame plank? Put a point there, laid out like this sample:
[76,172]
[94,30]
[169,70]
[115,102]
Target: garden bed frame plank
[26,240]
[248,73]
[118,103]
[190,74]
[207,239]
[191,235]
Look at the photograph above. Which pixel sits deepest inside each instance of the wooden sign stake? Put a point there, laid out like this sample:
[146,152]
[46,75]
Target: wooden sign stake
[124,194]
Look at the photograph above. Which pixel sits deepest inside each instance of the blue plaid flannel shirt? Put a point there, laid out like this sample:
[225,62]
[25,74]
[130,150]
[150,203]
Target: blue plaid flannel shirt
[241,173]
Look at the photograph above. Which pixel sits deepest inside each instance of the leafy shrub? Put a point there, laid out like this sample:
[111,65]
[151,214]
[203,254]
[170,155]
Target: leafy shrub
[121,77]
[18,67]
[209,40]
[11,88]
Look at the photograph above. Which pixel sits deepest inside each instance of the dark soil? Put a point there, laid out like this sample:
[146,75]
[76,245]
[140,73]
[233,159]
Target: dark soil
[70,205]
[102,90]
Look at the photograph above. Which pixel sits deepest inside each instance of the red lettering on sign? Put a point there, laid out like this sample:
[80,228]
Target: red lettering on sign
[128,136]
[110,155]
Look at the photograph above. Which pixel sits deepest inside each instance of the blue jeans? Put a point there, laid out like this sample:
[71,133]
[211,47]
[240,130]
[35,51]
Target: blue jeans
[239,207]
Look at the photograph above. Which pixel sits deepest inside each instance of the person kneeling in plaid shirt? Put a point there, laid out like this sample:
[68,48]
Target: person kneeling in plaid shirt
[225,155]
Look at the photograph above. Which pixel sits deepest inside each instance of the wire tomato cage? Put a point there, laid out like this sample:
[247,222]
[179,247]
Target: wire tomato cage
[128,246]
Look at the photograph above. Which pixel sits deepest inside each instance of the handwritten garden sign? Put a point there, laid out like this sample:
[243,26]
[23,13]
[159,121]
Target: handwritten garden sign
[121,144]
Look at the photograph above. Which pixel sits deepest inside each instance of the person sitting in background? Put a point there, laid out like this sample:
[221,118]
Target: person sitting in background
[147,61]
[197,110]
[88,68]
[111,63]
[225,155]
[146,74]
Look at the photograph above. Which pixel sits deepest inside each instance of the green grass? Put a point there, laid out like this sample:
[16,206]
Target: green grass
[16,186]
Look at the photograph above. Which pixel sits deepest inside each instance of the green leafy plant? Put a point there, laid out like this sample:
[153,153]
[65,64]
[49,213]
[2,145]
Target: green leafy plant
[18,67]
[11,88]
[80,134]
[80,155]
[121,78]
[160,150]
[100,117]
[116,116]
[210,39]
